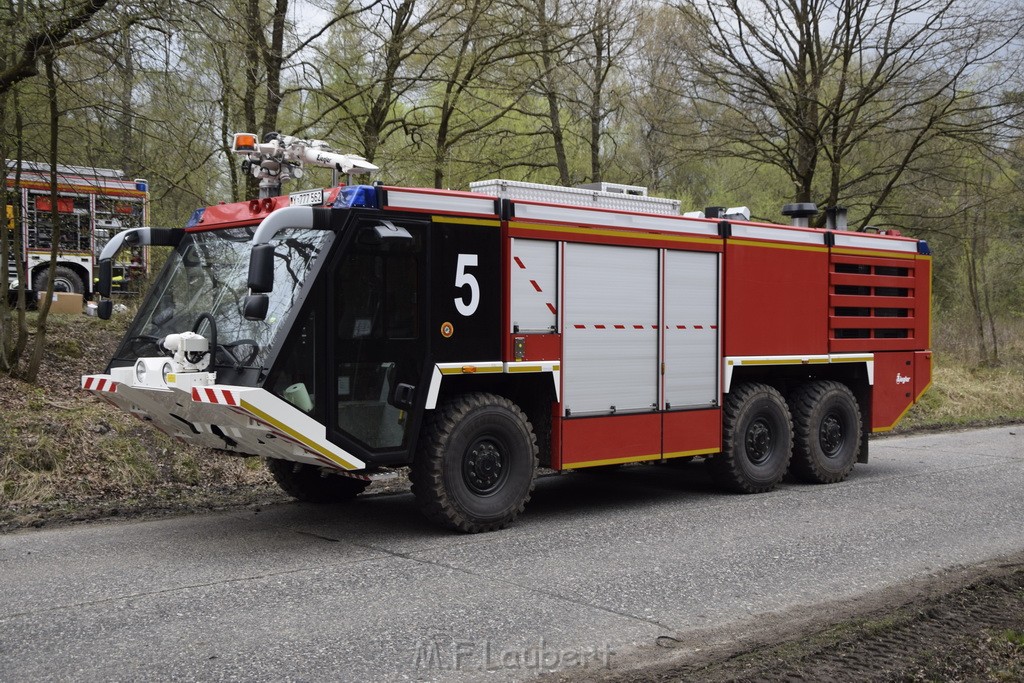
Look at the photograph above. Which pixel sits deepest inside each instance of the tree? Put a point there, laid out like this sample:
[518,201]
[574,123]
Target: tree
[811,85]
[474,84]
[44,35]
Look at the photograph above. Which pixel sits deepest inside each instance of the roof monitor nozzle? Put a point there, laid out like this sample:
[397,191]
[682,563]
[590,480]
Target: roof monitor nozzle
[800,213]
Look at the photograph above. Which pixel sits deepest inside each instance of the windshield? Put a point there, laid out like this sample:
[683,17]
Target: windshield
[208,273]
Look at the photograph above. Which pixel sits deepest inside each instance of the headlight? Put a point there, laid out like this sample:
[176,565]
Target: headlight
[140,372]
[167,369]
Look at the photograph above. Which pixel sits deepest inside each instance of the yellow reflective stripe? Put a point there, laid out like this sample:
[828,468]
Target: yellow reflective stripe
[784,361]
[638,458]
[699,451]
[610,461]
[876,430]
[477,370]
[671,237]
[775,245]
[315,447]
[799,361]
[483,222]
[532,368]
[871,252]
[485,369]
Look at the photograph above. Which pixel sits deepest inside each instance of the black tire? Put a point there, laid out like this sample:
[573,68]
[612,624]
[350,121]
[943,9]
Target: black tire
[476,462]
[826,432]
[757,440]
[64,280]
[307,483]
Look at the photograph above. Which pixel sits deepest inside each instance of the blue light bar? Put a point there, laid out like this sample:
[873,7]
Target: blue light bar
[197,216]
[357,197]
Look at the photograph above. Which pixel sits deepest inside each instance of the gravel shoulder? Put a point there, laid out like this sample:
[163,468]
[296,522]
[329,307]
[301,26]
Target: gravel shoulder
[960,625]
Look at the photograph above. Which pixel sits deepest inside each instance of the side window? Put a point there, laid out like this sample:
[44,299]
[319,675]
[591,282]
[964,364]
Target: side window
[294,375]
[378,296]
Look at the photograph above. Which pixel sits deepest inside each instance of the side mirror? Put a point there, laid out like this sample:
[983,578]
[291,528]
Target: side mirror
[261,269]
[256,306]
[104,308]
[106,277]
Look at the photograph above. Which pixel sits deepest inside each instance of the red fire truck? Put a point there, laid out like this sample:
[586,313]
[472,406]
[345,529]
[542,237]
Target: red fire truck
[473,336]
[94,204]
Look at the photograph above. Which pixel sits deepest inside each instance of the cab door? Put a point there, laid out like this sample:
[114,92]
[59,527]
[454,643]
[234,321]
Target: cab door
[375,346]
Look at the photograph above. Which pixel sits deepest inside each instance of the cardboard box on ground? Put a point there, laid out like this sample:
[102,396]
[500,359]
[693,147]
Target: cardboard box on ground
[64,302]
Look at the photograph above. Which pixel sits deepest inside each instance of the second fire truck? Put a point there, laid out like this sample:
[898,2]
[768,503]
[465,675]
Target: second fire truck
[93,204]
[474,336]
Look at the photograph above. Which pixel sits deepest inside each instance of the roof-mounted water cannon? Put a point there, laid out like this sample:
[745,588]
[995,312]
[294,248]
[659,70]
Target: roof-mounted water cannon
[281,157]
[801,213]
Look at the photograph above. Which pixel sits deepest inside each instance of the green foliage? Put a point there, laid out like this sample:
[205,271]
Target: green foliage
[446,93]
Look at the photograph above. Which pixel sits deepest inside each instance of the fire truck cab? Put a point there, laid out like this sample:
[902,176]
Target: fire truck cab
[474,336]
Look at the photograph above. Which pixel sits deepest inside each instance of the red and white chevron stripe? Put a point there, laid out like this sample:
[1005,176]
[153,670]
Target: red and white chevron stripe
[536,285]
[619,326]
[214,395]
[99,384]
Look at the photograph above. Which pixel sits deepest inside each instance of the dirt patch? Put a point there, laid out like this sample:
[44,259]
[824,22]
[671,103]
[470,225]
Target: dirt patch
[962,626]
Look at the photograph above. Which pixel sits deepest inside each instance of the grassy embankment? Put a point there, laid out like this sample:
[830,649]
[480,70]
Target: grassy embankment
[65,455]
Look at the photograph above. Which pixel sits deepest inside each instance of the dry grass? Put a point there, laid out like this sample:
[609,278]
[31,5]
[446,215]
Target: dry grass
[963,392]
[66,455]
[963,396]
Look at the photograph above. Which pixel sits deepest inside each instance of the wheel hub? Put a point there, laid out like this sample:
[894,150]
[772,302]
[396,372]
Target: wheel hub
[830,435]
[759,441]
[484,467]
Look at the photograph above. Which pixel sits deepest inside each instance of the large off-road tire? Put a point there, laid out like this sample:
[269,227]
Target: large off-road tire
[64,280]
[475,464]
[306,482]
[757,439]
[826,432]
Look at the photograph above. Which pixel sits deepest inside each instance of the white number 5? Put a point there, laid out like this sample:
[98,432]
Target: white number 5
[462,278]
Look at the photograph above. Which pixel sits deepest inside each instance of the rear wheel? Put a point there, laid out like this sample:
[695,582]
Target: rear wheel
[307,483]
[475,466]
[827,432]
[757,439]
[64,280]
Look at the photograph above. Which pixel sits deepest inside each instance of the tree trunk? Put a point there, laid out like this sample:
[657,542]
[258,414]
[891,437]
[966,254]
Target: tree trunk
[19,244]
[253,62]
[971,267]
[44,305]
[551,94]
[273,60]
[127,113]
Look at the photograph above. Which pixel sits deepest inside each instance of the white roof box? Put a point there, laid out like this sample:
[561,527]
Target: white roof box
[595,196]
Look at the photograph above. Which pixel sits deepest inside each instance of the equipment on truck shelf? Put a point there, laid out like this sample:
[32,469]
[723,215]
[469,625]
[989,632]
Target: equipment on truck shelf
[473,336]
[93,205]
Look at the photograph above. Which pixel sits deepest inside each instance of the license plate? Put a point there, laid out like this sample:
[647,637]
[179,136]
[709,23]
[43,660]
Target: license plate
[307,198]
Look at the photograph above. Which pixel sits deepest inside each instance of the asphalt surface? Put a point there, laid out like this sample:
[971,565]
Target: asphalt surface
[597,569]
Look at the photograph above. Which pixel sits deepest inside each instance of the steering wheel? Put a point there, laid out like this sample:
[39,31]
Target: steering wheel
[248,358]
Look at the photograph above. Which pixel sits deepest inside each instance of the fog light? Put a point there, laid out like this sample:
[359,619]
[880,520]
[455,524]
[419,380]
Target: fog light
[140,372]
[167,370]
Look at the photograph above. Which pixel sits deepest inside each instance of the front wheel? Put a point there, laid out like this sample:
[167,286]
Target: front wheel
[475,466]
[826,423]
[757,439]
[307,483]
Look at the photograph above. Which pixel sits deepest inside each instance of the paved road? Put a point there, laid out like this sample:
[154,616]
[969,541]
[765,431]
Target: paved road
[600,564]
